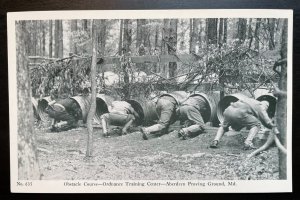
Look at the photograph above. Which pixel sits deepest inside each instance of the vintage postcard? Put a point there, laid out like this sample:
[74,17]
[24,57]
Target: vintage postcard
[150,101]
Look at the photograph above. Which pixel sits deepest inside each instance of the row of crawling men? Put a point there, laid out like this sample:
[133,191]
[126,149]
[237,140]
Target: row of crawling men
[174,105]
[248,113]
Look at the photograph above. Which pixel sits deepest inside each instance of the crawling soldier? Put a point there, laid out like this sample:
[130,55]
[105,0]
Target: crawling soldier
[190,114]
[121,113]
[244,113]
[65,113]
[166,109]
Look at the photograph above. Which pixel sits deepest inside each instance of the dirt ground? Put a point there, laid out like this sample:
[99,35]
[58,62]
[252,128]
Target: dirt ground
[62,157]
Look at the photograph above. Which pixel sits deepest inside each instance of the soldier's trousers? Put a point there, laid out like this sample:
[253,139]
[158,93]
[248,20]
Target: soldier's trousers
[192,117]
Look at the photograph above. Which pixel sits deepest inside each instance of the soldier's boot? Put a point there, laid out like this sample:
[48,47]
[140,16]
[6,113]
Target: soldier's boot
[183,134]
[248,145]
[214,144]
[191,131]
[53,128]
[62,126]
[149,130]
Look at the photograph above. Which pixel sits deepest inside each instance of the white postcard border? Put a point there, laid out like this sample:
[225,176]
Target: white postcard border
[68,186]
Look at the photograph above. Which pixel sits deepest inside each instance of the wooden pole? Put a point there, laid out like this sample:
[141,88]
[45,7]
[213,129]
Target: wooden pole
[92,110]
[185,58]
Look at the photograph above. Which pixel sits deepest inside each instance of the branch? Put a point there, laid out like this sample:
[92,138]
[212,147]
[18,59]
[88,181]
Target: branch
[264,147]
[167,79]
[40,57]
[277,92]
[279,145]
[158,75]
[272,137]
[279,63]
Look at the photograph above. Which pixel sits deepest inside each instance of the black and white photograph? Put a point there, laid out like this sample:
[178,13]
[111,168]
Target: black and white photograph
[150,101]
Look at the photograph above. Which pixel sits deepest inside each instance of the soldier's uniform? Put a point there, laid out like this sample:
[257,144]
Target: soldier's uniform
[166,110]
[241,114]
[121,113]
[190,114]
[248,113]
[66,110]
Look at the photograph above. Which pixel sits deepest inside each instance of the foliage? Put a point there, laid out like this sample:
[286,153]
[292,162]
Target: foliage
[235,64]
[68,76]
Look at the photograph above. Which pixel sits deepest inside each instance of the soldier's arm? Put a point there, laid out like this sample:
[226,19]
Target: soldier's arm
[178,111]
[267,121]
[131,109]
[51,103]
[126,126]
[135,114]
[220,133]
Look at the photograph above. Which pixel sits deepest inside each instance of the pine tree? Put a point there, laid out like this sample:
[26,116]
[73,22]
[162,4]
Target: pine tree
[28,168]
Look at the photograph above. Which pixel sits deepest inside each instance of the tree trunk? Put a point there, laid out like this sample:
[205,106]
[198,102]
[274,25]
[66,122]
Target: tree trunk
[127,42]
[200,33]
[256,34]
[282,102]
[56,39]
[43,39]
[206,32]
[271,26]
[146,35]
[127,35]
[220,42]
[73,50]
[60,40]
[242,29]
[28,168]
[50,38]
[156,66]
[39,38]
[142,35]
[220,39]
[191,35]
[73,47]
[225,31]
[250,29]
[140,40]
[156,37]
[138,33]
[85,24]
[121,37]
[194,34]
[29,38]
[212,34]
[172,47]
[278,26]
[85,48]
[34,38]
[102,36]
[92,110]
[250,35]
[164,46]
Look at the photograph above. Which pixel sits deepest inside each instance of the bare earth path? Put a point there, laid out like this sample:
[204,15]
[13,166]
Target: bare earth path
[62,157]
